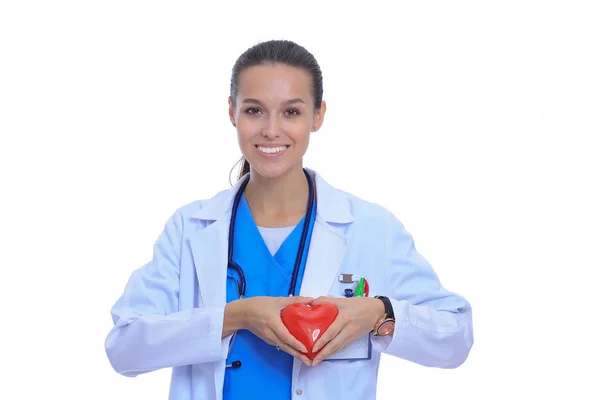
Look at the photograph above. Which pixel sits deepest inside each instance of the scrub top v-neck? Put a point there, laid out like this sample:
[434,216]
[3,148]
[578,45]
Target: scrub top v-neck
[274,237]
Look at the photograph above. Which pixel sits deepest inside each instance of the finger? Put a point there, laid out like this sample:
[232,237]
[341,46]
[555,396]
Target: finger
[331,332]
[298,299]
[286,337]
[290,350]
[270,337]
[338,302]
[323,299]
[345,336]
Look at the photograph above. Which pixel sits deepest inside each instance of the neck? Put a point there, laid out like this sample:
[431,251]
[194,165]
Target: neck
[278,201]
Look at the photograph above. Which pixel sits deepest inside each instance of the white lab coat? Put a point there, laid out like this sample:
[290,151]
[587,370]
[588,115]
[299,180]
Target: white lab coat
[171,312]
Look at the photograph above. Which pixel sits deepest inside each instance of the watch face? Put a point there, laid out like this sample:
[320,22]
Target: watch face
[386,328]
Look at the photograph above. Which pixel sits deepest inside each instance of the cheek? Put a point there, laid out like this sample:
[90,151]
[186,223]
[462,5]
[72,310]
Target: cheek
[247,130]
[300,135]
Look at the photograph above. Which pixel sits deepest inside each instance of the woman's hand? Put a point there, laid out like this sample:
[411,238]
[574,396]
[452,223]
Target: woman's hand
[357,316]
[262,316]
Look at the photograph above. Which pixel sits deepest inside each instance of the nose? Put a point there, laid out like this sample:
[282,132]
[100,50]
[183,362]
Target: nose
[272,127]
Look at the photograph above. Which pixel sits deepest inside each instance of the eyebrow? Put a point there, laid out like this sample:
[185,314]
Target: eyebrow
[287,102]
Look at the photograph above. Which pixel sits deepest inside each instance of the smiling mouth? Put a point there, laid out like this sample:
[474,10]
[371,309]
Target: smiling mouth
[272,150]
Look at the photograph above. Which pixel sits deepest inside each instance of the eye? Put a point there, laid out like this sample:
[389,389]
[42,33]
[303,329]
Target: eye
[252,110]
[292,111]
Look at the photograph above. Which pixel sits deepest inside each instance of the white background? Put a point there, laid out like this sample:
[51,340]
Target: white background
[475,122]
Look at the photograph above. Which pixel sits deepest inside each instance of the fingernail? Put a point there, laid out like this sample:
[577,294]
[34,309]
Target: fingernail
[316,362]
[306,363]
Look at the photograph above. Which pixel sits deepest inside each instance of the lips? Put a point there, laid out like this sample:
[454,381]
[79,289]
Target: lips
[271,149]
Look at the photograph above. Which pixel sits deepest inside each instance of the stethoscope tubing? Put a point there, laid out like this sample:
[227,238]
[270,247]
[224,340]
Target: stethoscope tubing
[241,284]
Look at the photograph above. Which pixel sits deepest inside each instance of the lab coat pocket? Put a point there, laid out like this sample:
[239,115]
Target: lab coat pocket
[358,350]
[356,379]
[350,363]
[339,380]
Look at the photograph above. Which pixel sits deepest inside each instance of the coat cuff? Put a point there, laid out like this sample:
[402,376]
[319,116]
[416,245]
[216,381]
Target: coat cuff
[427,336]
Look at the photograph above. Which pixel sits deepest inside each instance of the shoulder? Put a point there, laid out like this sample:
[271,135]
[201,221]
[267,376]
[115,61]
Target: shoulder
[363,212]
[188,210]
[374,217]
[205,209]
[367,210]
[375,224]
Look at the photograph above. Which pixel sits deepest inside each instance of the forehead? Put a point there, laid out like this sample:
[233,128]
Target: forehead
[274,82]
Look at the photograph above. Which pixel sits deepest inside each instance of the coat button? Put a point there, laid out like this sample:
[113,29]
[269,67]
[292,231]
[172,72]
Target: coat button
[298,392]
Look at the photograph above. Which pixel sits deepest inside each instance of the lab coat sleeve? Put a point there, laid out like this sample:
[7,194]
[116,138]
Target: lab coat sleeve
[149,332]
[433,326]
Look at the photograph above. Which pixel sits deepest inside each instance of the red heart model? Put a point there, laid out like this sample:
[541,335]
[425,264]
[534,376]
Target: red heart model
[308,323]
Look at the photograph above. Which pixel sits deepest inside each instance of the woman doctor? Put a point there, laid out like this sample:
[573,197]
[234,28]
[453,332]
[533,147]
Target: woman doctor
[191,310]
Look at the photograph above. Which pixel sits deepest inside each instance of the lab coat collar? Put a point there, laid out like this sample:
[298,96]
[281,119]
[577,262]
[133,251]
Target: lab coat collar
[333,205]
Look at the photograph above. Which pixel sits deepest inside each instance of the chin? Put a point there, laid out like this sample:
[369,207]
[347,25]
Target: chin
[272,171]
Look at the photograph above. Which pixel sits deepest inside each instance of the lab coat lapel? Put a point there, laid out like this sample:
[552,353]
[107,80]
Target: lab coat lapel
[209,249]
[327,246]
[210,246]
[328,242]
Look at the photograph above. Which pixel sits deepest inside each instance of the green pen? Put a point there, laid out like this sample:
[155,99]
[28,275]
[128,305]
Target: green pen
[360,288]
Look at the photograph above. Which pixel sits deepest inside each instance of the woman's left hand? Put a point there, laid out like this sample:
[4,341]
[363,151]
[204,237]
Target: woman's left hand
[357,316]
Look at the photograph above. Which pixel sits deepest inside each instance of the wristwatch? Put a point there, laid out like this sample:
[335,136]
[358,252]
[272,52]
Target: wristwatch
[385,325]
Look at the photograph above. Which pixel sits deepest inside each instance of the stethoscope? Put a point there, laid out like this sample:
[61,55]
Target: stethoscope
[241,284]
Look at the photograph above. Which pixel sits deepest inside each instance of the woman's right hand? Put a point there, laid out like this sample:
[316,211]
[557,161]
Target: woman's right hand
[261,315]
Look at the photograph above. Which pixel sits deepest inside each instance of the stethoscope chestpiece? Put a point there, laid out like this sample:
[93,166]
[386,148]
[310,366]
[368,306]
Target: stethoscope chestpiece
[234,365]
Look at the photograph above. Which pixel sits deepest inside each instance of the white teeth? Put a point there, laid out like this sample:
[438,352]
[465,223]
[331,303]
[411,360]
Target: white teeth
[271,150]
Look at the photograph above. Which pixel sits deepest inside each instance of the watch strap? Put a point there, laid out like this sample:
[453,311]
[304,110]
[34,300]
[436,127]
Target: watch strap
[389,310]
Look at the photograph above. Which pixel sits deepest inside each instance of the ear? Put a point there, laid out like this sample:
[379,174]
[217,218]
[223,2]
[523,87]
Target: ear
[231,111]
[319,117]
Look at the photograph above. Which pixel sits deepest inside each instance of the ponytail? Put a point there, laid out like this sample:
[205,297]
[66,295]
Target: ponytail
[245,168]
[243,171]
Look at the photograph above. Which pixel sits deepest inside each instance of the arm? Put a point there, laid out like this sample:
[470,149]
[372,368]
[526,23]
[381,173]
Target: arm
[149,331]
[433,326]
[233,319]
